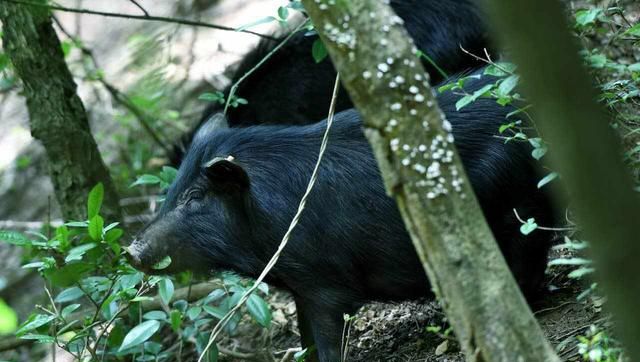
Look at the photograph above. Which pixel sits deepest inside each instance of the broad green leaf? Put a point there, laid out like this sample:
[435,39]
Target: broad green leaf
[66,311]
[215,311]
[146,180]
[68,274]
[165,290]
[155,315]
[69,294]
[139,334]
[318,51]
[194,312]
[8,318]
[528,227]
[162,264]
[508,84]
[468,99]
[283,13]
[95,200]
[586,17]
[14,238]
[634,30]
[34,322]
[259,310]
[96,225]
[39,338]
[77,252]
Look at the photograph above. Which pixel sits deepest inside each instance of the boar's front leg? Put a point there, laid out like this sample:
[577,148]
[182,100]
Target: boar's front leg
[320,325]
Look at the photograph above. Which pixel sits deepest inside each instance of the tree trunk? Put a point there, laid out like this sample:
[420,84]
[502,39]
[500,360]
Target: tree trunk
[488,313]
[57,116]
[584,149]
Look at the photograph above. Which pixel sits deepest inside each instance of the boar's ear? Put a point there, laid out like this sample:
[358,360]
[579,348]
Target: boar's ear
[226,175]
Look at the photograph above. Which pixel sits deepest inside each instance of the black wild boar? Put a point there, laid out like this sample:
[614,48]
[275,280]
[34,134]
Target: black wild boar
[238,189]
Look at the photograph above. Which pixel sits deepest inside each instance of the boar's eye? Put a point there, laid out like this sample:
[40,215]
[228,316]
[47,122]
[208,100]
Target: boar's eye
[225,175]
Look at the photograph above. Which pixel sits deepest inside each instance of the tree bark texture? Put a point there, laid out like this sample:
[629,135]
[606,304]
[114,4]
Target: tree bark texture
[584,149]
[57,116]
[371,48]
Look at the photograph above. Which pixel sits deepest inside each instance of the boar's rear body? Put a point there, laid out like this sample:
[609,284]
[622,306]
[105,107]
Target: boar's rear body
[238,189]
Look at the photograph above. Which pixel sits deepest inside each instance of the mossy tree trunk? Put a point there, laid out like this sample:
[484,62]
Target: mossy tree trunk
[371,48]
[584,149]
[57,116]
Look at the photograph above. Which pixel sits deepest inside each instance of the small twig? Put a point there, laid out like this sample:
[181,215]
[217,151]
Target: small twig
[138,17]
[236,354]
[541,311]
[146,13]
[488,60]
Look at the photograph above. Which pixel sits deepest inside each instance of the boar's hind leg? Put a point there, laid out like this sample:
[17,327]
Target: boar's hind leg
[323,325]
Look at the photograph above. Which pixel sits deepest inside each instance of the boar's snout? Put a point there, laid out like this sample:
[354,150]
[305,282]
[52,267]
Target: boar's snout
[140,255]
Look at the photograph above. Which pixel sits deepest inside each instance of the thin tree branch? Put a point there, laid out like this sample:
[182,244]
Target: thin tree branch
[139,17]
[146,13]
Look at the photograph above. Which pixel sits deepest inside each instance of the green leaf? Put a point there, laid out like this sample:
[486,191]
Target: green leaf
[194,312]
[508,84]
[212,97]
[634,30]
[528,227]
[215,311]
[34,322]
[69,309]
[545,180]
[113,235]
[259,310]
[176,320]
[283,13]
[570,261]
[8,318]
[155,315]
[39,338]
[580,272]
[95,200]
[586,17]
[139,334]
[69,294]
[162,264]
[68,274]
[96,225]
[77,252]
[468,99]
[165,290]
[146,180]
[318,51]
[14,238]
[168,174]
[260,21]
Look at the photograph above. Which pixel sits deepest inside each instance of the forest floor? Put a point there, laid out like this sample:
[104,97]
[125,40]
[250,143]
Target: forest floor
[417,330]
